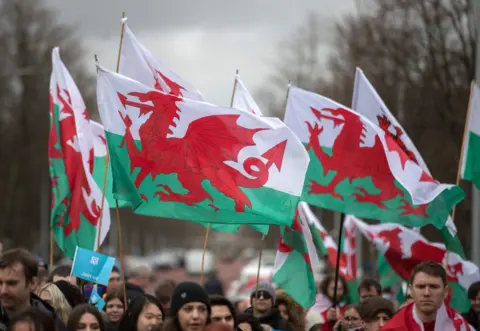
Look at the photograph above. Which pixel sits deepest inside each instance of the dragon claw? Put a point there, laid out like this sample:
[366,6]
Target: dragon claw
[315,188]
[408,209]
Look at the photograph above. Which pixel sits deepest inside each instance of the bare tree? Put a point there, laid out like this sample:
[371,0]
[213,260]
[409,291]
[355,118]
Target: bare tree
[419,56]
[299,61]
[28,32]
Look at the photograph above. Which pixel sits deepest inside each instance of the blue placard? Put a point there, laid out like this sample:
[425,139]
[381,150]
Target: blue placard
[91,266]
[96,299]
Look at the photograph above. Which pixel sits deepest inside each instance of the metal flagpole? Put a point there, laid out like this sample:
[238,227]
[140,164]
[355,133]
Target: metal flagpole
[475,230]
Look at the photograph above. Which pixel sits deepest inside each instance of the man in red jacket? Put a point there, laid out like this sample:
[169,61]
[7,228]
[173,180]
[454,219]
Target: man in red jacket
[428,312]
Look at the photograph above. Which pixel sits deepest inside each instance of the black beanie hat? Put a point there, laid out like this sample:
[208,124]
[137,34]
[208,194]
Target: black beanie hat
[187,292]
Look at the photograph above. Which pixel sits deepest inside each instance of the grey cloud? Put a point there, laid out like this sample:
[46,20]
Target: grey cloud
[101,18]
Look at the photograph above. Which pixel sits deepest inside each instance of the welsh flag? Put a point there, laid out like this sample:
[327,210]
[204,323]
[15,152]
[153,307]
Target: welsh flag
[178,158]
[76,197]
[404,248]
[327,247]
[368,103]
[243,100]
[357,169]
[471,146]
[295,261]
[138,63]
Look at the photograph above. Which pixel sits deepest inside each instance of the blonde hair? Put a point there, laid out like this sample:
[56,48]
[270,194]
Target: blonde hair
[59,302]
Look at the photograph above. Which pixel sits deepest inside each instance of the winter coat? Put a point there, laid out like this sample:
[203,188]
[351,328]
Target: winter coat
[36,303]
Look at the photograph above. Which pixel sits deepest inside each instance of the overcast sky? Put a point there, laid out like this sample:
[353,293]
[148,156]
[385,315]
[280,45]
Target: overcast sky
[204,41]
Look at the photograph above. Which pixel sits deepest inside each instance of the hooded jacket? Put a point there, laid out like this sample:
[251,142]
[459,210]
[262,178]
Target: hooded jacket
[36,303]
[296,313]
[272,318]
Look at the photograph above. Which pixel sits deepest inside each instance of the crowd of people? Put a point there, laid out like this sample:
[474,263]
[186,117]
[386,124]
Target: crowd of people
[33,299]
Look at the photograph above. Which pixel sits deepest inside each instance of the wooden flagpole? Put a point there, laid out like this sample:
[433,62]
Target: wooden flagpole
[465,131]
[119,222]
[205,243]
[52,247]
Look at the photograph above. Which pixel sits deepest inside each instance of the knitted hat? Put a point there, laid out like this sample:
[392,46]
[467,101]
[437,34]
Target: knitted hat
[264,286]
[188,292]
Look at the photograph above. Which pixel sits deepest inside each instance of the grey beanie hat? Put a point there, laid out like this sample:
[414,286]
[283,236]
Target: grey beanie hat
[264,286]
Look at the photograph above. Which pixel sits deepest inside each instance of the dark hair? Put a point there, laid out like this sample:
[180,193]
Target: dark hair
[116,294]
[370,308]
[473,290]
[115,269]
[79,311]
[430,268]
[331,278]
[253,321]
[134,309]
[61,270]
[20,256]
[72,293]
[368,283]
[218,300]
[351,306]
[164,291]
[39,320]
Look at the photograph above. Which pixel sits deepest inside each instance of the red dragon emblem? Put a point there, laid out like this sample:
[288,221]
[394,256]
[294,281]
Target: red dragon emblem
[75,203]
[352,161]
[199,155]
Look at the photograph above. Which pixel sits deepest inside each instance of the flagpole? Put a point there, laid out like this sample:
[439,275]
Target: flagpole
[337,265]
[259,267]
[117,208]
[462,149]
[52,247]
[205,242]
[475,223]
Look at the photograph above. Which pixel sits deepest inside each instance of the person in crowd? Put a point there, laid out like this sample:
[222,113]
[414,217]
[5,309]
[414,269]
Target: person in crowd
[144,313]
[32,320]
[369,288]
[247,322]
[223,311]
[52,295]
[473,316]
[115,280]
[213,285]
[190,309]
[240,304]
[85,317]
[164,292]
[290,310]
[63,272]
[216,327]
[72,293]
[375,313]
[429,289]
[263,307]
[323,306]
[114,307]
[18,279]
[139,278]
[350,319]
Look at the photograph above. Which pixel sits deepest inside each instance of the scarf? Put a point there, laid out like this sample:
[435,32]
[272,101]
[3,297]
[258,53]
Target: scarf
[447,319]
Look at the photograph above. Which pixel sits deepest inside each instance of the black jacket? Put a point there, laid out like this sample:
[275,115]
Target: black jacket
[473,319]
[273,318]
[37,303]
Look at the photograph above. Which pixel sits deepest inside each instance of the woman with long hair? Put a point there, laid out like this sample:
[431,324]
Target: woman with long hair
[32,320]
[85,317]
[114,307]
[52,295]
[144,313]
